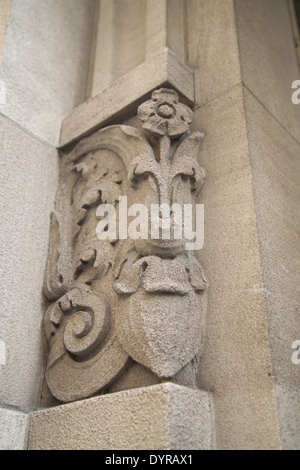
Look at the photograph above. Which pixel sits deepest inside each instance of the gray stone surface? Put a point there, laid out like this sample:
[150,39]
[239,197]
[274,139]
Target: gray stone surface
[288,399]
[212,47]
[236,361]
[159,417]
[191,419]
[125,94]
[251,197]
[269,58]
[275,167]
[28,182]
[14,427]
[45,63]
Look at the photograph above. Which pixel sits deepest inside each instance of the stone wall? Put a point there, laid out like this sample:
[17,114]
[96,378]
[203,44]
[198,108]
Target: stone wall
[44,56]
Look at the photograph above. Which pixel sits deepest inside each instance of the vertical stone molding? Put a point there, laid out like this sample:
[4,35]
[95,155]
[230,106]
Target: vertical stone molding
[126,291]
[138,46]
[130,33]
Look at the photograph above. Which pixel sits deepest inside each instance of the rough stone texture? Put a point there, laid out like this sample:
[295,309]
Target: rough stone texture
[14,427]
[297,9]
[294,6]
[159,417]
[44,63]
[275,167]
[126,295]
[236,359]
[273,129]
[5,9]
[212,48]
[191,419]
[27,191]
[130,32]
[269,58]
[120,42]
[236,363]
[121,99]
[165,27]
[259,51]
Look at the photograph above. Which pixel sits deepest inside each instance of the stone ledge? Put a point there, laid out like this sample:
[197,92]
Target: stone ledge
[159,417]
[160,69]
[13,429]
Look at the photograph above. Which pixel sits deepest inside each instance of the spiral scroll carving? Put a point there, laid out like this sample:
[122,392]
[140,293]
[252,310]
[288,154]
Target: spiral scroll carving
[78,328]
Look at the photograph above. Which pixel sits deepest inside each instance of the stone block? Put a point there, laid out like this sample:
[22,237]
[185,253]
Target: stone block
[28,183]
[158,417]
[122,98]
[13,429]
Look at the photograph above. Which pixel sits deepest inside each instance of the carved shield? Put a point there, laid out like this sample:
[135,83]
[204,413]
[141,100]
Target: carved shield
[162,323]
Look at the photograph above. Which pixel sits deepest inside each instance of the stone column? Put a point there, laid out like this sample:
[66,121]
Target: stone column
[273,134]
[245,62]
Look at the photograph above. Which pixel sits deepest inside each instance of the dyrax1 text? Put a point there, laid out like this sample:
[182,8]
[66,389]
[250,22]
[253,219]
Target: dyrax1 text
[150,459]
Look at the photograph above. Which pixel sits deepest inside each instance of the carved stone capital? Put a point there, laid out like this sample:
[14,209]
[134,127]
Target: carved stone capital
[125,291]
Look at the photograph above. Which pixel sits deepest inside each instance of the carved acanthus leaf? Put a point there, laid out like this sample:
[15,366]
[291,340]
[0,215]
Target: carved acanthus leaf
[54,285]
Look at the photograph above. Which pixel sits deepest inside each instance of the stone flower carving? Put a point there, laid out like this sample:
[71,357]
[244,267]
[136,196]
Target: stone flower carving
[122,310]
[164,115]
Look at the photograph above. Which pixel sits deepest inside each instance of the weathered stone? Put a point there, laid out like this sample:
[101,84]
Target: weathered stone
[121,98]
[159,417]
[28,183]
[275,166]
[14,427]
[236,361]
[268,46]
[124,296]
[46,76]
[212,47]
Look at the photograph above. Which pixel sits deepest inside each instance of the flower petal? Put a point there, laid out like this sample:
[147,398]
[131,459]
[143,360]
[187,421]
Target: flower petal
[164,95]
[177,127]
[156,125]
[145,110]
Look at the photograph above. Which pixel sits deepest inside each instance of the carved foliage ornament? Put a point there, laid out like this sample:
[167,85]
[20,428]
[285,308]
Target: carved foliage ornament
[115,303]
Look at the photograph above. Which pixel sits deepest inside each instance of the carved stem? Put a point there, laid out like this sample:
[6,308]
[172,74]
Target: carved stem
[164,150]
